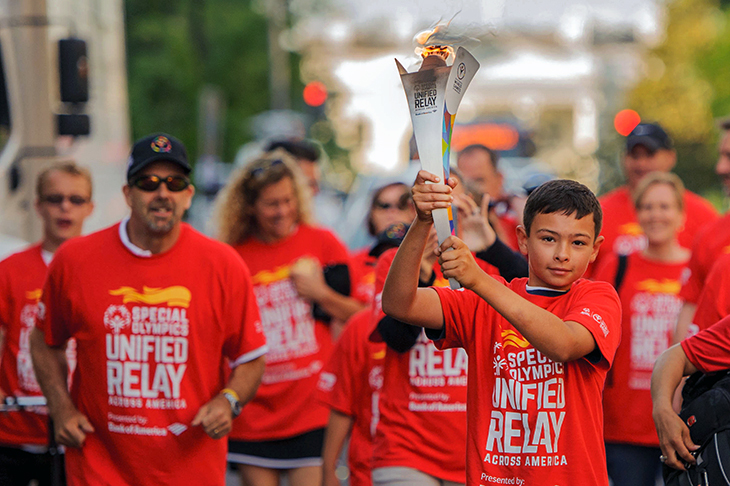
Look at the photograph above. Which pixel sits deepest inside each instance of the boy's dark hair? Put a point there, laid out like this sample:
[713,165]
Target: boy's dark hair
[566,197]
[299,148]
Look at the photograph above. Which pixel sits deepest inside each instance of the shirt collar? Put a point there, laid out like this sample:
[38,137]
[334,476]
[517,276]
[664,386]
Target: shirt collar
[544,291]
[124,236]
[47,256]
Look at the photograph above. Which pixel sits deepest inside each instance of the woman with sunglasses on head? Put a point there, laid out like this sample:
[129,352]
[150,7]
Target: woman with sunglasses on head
[648,283]
[263,212]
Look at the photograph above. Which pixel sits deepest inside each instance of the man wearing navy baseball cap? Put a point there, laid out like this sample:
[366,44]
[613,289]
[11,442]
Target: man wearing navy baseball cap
[158,146]
[648,149]
[181,306]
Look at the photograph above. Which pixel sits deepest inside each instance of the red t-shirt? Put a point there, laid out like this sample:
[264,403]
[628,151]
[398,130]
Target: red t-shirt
[533,421]
[153,337]
[714,301]
[711,243]
[363,275]
[622,232]
[423,401]
[350,383]
[21,282]
[299,346]
[708,349]
[650,305]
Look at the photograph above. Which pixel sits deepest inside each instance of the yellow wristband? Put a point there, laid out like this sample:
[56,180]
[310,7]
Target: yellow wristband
[231,392]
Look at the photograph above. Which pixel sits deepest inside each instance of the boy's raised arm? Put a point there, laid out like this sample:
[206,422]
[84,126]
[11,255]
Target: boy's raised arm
[559,340]
[402,299]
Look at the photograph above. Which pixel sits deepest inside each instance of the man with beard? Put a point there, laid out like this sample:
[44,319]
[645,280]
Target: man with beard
[159,312]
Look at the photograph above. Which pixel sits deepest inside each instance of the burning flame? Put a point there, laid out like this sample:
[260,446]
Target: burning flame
[434,42]
[441,51]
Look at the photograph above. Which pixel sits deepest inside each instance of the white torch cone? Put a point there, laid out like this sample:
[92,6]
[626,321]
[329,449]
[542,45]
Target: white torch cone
[434,96]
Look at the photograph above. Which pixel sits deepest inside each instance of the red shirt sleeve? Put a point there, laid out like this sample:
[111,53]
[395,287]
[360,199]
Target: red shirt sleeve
[708,349]
[245,340]
[598,309]
[54,312]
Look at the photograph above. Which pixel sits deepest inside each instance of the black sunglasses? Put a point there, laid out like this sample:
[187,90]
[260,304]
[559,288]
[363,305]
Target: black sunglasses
[151,182]
[57,199]
[401,204]
[259,171]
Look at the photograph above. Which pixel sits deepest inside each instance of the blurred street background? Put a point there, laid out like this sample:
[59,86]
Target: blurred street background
[226,76]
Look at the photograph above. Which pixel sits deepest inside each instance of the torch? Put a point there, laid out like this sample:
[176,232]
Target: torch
[434,93]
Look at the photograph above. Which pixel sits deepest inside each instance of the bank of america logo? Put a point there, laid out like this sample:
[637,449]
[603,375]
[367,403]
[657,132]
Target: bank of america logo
[177,428]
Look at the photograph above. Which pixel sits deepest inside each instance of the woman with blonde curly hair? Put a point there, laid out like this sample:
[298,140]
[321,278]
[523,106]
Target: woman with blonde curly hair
[263,213]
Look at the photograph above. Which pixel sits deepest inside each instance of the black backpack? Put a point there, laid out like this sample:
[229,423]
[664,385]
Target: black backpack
[706,411]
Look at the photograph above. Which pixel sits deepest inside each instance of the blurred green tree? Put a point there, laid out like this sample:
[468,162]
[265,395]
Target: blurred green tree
[176,48]
[687,86]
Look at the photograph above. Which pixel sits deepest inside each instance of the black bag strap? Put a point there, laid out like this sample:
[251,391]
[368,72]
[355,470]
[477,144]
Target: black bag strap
[620,271]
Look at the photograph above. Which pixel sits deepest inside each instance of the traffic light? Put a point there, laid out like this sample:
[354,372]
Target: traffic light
[625,121]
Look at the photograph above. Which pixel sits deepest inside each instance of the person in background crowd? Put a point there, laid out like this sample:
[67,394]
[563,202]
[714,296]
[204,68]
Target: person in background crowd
[390,204]
[159,312]
[478,165]
[648,149]
[263,212]
[708,247]
[63,202]
[350,386]
[647,282]
[306,155]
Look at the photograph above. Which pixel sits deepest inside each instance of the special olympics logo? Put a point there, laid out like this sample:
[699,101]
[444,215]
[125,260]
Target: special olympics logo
[117,317]
[375,378]
[161,144]
[461,71]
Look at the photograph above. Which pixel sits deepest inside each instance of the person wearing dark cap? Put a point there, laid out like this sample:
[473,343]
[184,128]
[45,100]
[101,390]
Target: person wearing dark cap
[648,149]
[160,314]
[306,154]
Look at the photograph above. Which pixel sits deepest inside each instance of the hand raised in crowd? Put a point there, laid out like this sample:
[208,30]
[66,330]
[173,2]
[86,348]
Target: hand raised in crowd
[477,232]
[429,194]
[674,438]
[71,427]
[308,278]
[457,261]
[215,417]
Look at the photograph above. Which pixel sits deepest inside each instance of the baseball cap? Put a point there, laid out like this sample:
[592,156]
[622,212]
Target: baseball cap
[650,135]
[158,146]
[390,238]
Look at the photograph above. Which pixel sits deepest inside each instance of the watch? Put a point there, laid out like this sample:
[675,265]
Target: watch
[232,398]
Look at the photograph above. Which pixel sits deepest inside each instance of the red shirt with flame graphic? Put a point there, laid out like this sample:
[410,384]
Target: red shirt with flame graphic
[650,303]
[711,243]
[423,401]
[533,421]
[299,345]
[153,337]
[622,232]
[350,383]
[21,281]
